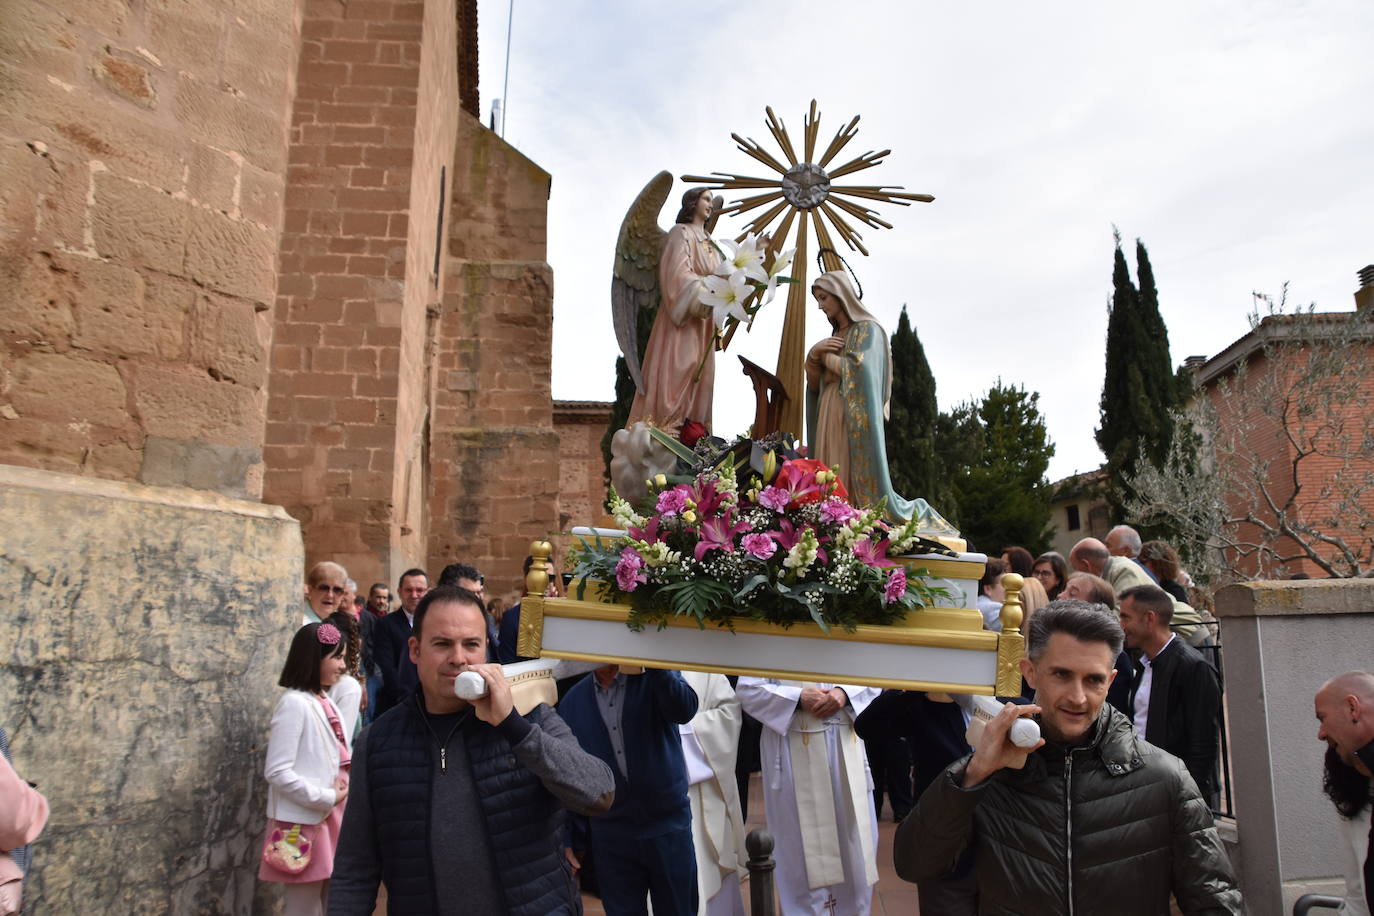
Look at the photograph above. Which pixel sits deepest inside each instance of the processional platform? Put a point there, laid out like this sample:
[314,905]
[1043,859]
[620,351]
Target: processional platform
[941,648]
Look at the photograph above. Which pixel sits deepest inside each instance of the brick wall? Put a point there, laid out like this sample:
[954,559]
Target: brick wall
[494,453]
[345,433]
[581,481]
[142,156]
[1322,476]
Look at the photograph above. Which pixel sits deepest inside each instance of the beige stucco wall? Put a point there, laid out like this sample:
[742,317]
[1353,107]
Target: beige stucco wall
[1281,641]
[143,633]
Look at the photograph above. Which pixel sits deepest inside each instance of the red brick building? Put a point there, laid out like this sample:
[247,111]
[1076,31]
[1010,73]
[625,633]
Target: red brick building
[1292,405]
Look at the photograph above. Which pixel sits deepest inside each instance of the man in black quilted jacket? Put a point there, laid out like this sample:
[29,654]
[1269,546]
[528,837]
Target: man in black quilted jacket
[1092,819]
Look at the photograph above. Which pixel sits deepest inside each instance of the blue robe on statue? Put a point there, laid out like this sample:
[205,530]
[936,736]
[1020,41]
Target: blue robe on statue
[847,395]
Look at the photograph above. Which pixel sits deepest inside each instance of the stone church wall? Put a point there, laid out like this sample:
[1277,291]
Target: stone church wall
[494,454]
[371,143]
[143,634]
[142,161]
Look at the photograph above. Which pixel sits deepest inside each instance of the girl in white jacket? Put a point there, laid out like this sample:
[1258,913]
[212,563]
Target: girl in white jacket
[308,754]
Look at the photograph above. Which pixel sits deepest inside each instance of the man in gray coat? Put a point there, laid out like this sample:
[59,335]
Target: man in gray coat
[1090,820]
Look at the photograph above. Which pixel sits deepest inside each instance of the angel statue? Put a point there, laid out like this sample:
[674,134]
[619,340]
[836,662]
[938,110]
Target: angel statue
[848,390]
[659,277]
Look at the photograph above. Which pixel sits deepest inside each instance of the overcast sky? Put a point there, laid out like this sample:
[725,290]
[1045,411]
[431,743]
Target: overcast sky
[1235,138]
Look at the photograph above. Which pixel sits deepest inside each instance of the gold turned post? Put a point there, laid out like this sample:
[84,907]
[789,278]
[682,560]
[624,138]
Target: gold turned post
[1011,645]
[530,643]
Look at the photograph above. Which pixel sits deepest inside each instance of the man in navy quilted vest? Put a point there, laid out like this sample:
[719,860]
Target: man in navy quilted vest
[456,806]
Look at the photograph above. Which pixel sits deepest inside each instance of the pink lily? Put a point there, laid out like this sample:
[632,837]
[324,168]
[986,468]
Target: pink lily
[718,534]
[873,554]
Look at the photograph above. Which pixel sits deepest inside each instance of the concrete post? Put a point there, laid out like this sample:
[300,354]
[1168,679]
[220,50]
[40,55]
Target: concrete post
[1283,639]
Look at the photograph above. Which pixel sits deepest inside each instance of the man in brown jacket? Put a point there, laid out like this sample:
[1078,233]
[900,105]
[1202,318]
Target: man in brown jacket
[1091,820]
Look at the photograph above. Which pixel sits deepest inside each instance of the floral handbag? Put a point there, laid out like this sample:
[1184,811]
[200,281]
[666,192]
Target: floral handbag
[288,847]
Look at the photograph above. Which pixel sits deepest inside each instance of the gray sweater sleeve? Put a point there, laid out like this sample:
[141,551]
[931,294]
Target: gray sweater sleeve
[357,861]
[581,782]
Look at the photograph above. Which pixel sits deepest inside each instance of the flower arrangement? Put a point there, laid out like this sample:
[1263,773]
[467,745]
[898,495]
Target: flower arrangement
[750,534]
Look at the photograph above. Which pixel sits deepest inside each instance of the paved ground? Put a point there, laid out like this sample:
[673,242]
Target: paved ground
[892,896]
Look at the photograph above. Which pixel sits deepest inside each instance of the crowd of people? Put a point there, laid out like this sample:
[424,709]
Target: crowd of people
[635,785]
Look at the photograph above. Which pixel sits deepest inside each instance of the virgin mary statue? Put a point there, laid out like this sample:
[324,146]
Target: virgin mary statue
[848,387]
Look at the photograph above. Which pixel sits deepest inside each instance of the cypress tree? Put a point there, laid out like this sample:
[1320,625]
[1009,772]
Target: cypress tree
[910,429]
[1138,388]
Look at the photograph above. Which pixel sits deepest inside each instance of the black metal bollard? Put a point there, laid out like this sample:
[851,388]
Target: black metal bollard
[762,901]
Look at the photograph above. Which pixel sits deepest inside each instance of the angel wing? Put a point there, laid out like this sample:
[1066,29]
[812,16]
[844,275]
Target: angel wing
[634,280]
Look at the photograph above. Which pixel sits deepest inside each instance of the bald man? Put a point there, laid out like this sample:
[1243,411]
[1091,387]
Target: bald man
[1345,709]
[1092,556]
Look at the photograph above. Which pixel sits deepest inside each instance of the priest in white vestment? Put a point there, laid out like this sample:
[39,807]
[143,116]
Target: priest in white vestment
[710,743]
[817,794]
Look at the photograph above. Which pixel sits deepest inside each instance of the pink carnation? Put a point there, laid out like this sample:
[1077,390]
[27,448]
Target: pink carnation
[629,572]
[759,545]
[671,502]
[896,585]
[773,498]
[837,510]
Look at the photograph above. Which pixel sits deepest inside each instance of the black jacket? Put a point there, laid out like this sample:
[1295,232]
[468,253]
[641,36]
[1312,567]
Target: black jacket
[522,771]
[1185,699]
[390,652]
[1110,827]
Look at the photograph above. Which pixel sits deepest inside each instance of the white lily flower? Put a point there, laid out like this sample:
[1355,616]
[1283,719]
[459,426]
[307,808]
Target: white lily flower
[745,256]
[783,261]
[725,296]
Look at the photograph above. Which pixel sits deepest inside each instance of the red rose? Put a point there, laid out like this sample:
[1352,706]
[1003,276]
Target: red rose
[691,431]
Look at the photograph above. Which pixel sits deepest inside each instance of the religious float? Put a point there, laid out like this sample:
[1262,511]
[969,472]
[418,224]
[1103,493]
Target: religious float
[763,556]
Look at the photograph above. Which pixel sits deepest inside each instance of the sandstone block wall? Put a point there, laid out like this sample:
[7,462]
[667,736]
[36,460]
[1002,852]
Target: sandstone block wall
[581,481]
[494,454]
[143,634]
[373,125]
[142,166]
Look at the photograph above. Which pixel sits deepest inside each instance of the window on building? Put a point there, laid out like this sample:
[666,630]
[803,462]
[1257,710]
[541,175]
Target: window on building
[1074,521]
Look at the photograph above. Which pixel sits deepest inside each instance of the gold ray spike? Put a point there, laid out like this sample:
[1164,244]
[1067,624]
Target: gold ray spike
[886,195]
[791,368]
[779,131]
[812,124]
[852,238]
[842,137]
[867,216]
[751,147]
[866,161]
[729,181]
[830,258]
[749,203]
[759,223]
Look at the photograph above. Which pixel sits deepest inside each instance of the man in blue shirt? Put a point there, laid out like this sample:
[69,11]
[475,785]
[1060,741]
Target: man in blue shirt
[643,845]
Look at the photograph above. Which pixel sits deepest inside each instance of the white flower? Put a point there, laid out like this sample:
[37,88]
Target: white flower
[783,261]
[725,297]
[745,256]
[803,553]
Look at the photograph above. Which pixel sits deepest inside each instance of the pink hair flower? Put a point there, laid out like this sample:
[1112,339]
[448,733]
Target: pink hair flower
[328,634]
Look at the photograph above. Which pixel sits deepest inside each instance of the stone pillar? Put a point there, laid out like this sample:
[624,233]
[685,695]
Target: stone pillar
[143,634]
[142,159]
[1282,641]
[372,140]
[494,453]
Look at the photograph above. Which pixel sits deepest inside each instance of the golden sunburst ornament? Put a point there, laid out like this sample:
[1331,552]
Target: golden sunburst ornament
[805,185]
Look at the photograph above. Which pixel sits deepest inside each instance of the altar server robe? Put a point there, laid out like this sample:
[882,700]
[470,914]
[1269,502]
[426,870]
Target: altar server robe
[818,798]
[710,743]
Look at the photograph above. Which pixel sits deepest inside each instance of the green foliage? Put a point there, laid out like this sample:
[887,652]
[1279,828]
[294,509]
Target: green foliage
[914,463]
[998,451]
[1140,393]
